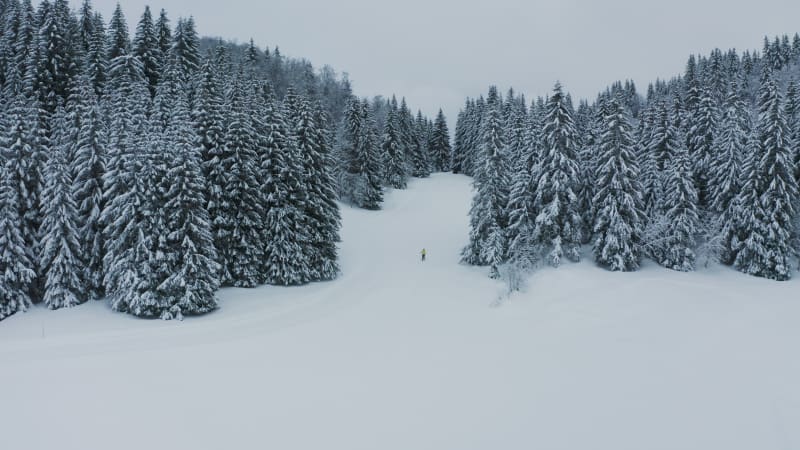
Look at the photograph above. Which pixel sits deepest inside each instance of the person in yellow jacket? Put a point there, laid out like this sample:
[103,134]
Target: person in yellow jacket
[423,253]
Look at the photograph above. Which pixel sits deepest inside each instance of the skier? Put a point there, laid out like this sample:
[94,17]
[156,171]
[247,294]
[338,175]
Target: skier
[423,253]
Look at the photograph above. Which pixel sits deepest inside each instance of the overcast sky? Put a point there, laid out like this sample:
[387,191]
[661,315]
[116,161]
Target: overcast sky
[437,52]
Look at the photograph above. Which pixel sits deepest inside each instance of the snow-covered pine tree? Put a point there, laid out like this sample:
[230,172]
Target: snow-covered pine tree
[522,213]
[768,206]
[393,158]
[701,132]
[727,172]
[488,212]
[321,225]
[792,111]
[440,148]
[284,196]
[559,222]
[405,128]
[680,212]
[459,144]
[618,224]
[60,258]
[420,161]
[239,216]
[96,58]
[190,255]
[164,33]
[88,167]
[118,43]
[16,266]
[186,49]
[145,47]
[126,256]
[361,174]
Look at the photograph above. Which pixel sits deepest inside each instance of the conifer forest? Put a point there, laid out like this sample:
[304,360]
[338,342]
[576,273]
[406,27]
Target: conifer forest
[152,169]
[417,225]
[703,167]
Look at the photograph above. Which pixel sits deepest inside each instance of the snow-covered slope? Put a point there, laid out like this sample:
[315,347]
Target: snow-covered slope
[402,355]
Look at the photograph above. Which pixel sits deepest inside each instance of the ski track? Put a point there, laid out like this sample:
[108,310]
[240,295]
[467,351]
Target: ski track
[399,354]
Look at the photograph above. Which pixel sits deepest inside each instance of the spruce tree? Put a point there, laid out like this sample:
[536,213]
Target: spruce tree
[440,148]
[118,43]
[619,220]
[60,257]
[284,196]
[360,177]
[792,110]
[420,161]
[164,33]
[394,160]
[321,225]
[16,266]
[145,47]
[728,174]
[770,193]
[488,212]
[191,282]
[186,48]
[522,252]
[559,222]
[96,58]
[237,231]
[89,150]
[126,259]
[679,206]
[701,142]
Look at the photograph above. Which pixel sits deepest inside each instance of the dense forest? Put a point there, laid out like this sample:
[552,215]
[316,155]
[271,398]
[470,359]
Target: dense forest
[704,167]
[149,171]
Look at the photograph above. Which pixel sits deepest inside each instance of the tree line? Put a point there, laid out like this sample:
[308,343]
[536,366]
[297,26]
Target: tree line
[150,171]
[704,167]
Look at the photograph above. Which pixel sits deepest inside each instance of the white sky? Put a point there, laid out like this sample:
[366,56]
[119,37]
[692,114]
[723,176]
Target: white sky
[437,52]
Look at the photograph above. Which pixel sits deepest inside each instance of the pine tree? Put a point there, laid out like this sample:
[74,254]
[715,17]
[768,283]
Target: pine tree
[96,61]
[321,225]
[393,157]
[164,33]
[284,196]
[793,122]
[118,41]
[190,254]
[727,173]
[522,252]
[89,150]
[559,222]
[619,219]
[770,193]
[186,48]
[236,226]
[361,174]
[16,267]
[679,206]
[441,145]
[488,213]
[420,164]
[145,47]
[61,251]
[701,142]
[729,148]
[127,254]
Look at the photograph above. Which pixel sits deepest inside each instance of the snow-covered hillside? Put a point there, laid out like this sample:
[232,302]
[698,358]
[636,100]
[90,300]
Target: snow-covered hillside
[397,354]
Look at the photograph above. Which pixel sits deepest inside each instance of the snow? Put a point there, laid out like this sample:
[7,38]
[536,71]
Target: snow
[399,354]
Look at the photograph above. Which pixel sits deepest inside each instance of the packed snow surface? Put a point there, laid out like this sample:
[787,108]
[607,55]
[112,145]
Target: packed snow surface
[399,354]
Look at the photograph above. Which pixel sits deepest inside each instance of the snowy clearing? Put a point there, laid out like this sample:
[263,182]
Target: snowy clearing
[402,355]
